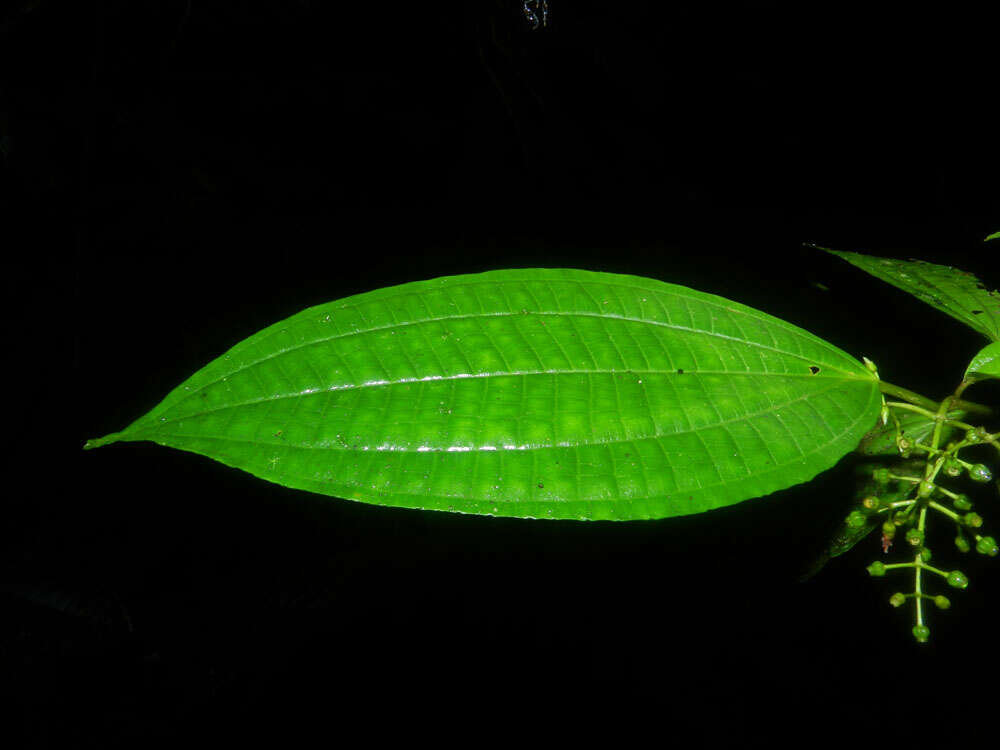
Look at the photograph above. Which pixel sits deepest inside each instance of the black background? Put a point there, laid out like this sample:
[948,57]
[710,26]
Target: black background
[178,175]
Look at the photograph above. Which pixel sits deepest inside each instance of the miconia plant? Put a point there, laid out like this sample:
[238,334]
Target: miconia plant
[570,394]
[922,440]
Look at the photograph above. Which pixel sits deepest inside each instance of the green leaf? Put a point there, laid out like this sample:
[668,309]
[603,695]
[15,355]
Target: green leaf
[881,441]
[994,236]
[957,293]
[539,393]
[986,364]
[845,537]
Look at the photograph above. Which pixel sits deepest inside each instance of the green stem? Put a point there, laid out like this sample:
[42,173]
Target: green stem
[931,414]
[931,568]
[941,509]
[930,404]
[921,523]
[942,414]
[907,395]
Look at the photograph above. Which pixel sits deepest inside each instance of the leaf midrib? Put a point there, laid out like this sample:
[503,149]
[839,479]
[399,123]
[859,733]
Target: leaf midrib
[776,467]
[470,316]
[743,417]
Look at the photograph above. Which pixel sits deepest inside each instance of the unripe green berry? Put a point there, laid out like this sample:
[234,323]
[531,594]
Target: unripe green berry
[889,529]
[987,545]
[971,436]
[962,502]
[904,445]
[921,633]
[942,602]
[881,476]
[898,599]
[856,519]
[952,467]
[925,488]
[957,579]
[871,502]
[915,537]
[972,520]
[925,554]
[876,569]
[962,544]
[980,473]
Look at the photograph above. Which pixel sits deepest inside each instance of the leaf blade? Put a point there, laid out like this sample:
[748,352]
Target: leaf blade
[845,536]
[985,365]
[545,393]
[952,291]
[916,427]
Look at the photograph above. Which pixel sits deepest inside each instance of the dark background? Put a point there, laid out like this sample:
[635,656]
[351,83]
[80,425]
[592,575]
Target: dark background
[178,175]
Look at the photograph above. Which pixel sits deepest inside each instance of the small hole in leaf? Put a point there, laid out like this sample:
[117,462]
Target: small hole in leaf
[813,369]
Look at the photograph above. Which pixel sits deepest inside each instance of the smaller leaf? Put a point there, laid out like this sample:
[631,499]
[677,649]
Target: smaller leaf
[994,236]
[846,536]
[881,441]
[952,291]
[985,365]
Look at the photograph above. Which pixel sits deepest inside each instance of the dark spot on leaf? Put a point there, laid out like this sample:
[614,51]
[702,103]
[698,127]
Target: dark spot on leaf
[977,312]
[680,372]
[541,486]
[813,369]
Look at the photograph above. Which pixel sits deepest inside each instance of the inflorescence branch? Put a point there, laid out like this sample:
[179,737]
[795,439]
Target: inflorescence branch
[903,502]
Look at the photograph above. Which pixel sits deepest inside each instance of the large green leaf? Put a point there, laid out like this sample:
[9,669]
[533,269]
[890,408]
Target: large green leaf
[532,393]
[957,293]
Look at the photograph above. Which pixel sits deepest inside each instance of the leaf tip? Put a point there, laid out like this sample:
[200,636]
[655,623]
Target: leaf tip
[114,437]
[814,246]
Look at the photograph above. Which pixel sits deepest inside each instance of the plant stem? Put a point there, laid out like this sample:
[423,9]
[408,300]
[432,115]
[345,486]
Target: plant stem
[921,523]
[930,404]
[932,415]
[941,509]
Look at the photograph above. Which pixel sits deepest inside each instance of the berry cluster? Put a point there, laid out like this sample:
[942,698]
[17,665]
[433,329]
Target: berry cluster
[911,493]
